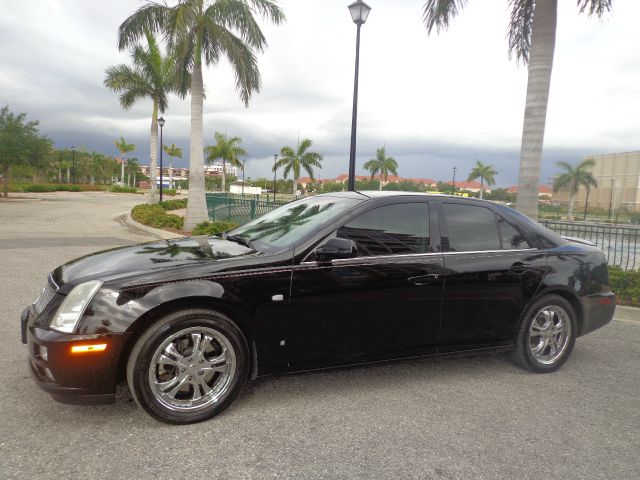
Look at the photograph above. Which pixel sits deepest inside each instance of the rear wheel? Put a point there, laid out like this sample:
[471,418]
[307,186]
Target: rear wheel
[188,366]
[547,335]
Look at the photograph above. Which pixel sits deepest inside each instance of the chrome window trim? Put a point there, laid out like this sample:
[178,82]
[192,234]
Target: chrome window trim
[341,261]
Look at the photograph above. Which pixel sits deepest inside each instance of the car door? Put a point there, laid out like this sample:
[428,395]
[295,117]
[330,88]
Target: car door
[491,272]
[383,303]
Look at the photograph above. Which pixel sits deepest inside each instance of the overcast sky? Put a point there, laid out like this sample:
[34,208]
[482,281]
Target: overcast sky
[436,102]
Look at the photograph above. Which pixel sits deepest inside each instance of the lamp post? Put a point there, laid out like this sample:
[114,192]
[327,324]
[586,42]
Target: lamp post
[275,161]
[73,155]
[453,184]
[359,13]
[161,122]
[611,197]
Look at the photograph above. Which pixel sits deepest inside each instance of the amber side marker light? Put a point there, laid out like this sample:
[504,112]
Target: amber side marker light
[100,347]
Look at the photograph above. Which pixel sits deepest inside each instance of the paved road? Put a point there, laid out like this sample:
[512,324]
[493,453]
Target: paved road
[474,417]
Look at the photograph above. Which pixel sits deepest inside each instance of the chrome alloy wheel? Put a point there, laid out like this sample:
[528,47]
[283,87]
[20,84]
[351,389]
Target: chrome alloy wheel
[192,369]
[549,334]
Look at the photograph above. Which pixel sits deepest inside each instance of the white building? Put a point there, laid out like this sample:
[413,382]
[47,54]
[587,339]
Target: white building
[216,169]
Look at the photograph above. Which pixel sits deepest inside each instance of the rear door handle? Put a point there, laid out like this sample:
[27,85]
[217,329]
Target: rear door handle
[520,268]
[424,279]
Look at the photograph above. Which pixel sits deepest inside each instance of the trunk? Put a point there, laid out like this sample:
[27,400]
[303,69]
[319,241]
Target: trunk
[122,172]
[92,181]
[134,178]
[59,175]
[224,175]
[380,184]
[295,187]
[482,188]
[196,206]
[543,39]
[5,181]
[171,184]
[153,165]
[68,175]
[572,198]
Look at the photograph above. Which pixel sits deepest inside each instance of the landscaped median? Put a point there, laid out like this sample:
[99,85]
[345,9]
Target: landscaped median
[159,216]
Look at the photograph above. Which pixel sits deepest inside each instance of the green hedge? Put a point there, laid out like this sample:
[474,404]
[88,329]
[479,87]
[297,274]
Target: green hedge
[57,187]
[156,216]
[119,189]
[174,204]
[213,228]
[626,285]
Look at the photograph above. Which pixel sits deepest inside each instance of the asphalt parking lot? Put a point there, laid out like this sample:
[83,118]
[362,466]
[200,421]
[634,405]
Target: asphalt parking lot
[470,417]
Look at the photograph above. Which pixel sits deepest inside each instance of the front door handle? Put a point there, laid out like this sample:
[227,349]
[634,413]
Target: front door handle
[424,279]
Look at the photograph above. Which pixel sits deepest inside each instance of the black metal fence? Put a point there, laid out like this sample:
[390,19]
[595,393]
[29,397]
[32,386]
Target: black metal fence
[237,208]
[621,244]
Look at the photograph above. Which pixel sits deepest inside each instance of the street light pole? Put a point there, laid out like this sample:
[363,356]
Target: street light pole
[453,186]
[359,13]
[161,122]
[611,198]
[73,154]
[275,161]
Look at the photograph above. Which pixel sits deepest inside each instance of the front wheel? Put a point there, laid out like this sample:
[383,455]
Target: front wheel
[547,335]
[188,366]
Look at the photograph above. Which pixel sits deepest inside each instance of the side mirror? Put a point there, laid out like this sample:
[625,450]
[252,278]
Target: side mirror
[336,248]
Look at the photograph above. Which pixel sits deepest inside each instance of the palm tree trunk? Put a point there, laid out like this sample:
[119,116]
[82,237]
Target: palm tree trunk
[224,175]
[380,183]
[543,40]
[134,178]
[122,172]
[481,188]
[153,188]
[196,205]
[572,197]
[171,184]
[68,175]
[295,188]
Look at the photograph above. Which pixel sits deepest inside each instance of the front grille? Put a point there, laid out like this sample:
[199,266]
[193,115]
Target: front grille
[45,297]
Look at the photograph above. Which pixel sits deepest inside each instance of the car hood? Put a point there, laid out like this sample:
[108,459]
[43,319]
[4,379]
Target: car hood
[149,256]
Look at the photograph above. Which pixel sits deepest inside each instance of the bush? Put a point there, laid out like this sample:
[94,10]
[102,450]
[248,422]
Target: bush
[626,285]
[174,204]
[168,191]
[119,189]
[213,228]
[156,216]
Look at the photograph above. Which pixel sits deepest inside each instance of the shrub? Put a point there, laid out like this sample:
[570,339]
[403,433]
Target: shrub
[169,191]
[119,189]
[626,285]
[174,204]
[213,228]
[156,216]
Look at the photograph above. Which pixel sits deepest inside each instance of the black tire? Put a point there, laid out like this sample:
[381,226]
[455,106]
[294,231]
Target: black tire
[523,354]
[142,366]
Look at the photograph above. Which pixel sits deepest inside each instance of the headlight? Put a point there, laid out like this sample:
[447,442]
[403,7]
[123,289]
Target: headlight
[72,308]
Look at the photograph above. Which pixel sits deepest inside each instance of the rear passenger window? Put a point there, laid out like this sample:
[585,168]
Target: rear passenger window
[397,229]
[470,228]
[511,238]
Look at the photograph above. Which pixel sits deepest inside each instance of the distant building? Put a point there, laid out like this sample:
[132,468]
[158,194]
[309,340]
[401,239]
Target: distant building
[618,177]
[544,192]
[216,169]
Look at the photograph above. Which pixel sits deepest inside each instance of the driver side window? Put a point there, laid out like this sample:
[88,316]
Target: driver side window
[397,229]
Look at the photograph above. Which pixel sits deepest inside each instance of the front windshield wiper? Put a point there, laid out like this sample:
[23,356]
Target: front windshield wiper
[238,239]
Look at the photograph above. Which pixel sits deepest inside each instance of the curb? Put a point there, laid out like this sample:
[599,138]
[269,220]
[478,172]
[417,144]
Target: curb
[629,314]
[130,223]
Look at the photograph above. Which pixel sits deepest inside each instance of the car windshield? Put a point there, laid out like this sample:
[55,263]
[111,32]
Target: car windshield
[287,225]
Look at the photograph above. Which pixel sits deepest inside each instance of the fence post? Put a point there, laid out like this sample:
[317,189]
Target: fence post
[254,202]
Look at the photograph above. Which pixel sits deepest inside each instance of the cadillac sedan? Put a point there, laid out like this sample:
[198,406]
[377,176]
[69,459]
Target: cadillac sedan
[330,280]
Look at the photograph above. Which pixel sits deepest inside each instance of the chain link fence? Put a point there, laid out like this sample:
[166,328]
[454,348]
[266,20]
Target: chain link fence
[238,208]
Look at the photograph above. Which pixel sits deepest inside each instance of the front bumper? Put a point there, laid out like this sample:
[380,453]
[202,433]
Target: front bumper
[79,378]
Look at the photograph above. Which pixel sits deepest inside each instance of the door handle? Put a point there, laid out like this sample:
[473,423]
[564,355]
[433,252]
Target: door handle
[424,279]
[519,268]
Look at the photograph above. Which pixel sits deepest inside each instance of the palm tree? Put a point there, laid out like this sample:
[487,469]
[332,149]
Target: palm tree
[532,37]
[484,173]
[172,151]
[207,30]
[227,149]
[291,159]
[383,165]
[124,148]
[572,178]
[151,76]
[133,170]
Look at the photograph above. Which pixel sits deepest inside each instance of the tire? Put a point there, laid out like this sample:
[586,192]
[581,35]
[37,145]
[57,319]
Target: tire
[188,366]
[547,335]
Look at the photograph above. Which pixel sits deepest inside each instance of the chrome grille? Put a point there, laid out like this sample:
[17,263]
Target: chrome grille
[45,297]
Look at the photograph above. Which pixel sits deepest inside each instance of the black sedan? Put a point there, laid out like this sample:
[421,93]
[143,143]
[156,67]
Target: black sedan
[329,280]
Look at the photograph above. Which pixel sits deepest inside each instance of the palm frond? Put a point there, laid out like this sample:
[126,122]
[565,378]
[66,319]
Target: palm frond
[151,17]
[520,28]
[595,7]
[439,13]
